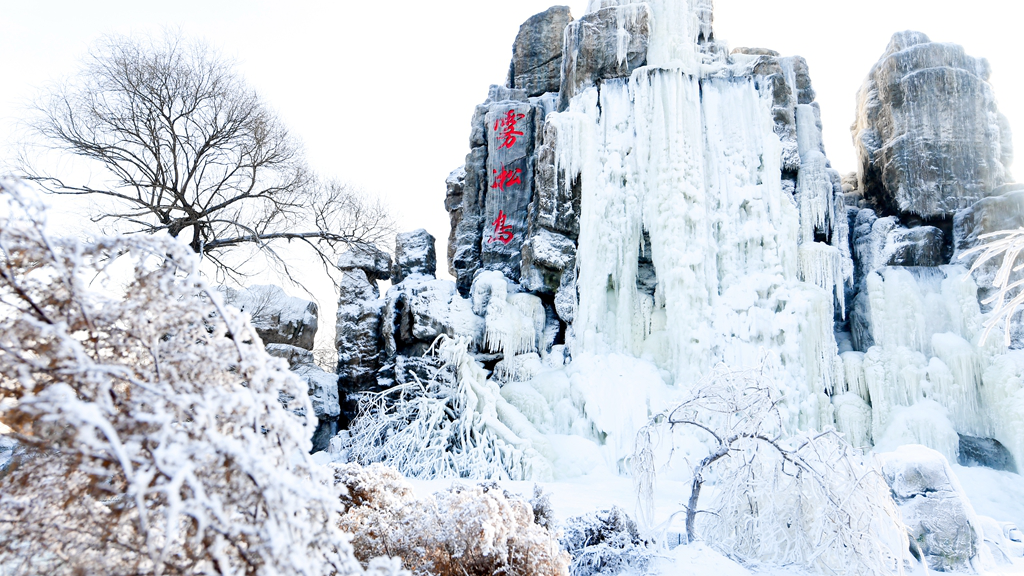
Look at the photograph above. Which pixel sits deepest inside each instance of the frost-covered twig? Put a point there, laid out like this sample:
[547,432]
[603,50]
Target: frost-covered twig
[446,427]
[807,499]
[1008,298]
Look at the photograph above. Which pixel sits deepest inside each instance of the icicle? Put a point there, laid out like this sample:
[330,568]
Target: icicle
[853,418]
[956,383]
[822,265]
[853,367]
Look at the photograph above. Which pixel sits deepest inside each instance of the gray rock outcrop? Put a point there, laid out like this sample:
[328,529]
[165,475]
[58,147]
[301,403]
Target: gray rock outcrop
[277,317]
[288,326]
[537,53]
[322,387]
[880,242]
[358,336]
[939,518]
[608,43]
[929,138]
[414,254]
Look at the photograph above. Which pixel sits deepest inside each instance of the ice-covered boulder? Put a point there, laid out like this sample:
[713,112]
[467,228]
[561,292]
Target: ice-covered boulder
[415,313]
[939,518]
[358,335]
[879,242]
[277,317]
[414,254]
[537,53]
[608,42]
[928,134]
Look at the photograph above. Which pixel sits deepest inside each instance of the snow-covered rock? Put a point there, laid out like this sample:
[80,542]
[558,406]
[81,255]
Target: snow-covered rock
[358,328]
[546,257]
[940,519]
[537,52]
[368,258]
[414,254]
[277,317]
[928,134]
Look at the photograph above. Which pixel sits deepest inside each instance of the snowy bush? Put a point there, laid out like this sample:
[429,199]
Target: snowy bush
[443,426]
[806,498]
[155,438]
[464,531]
[605,542]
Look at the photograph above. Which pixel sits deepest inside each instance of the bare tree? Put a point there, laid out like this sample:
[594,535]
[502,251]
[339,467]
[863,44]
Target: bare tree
[806,498]
[185,147]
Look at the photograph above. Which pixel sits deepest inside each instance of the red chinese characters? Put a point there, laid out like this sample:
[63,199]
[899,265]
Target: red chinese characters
[502,232]
[506,178]
[507,127]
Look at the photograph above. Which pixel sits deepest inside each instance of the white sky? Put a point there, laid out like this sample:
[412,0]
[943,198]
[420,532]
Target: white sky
[381,93]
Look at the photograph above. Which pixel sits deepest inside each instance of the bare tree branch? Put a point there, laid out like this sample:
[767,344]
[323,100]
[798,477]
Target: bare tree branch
[187,148]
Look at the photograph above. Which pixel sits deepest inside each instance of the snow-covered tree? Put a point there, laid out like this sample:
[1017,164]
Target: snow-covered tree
[158,436]
[804,498]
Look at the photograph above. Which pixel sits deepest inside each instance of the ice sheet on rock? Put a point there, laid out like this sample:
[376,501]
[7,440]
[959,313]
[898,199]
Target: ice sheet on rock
[695,167]
[513,322]
[925,423]
[1003,397]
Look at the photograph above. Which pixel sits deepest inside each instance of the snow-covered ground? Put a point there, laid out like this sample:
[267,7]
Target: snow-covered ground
[993,493]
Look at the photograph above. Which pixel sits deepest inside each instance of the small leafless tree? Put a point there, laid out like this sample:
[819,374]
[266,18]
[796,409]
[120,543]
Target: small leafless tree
[185,147]
[806,498]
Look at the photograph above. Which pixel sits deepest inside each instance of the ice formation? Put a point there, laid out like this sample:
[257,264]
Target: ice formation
[676,210]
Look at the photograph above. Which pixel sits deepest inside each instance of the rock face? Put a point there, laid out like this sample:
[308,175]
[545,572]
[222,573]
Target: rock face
[490,205]
[414,254]
[358,336]
[322,389]
[928,135]
[608,43]
[277,317]
[939,518]
[288,327]
[985,452]
[537,53]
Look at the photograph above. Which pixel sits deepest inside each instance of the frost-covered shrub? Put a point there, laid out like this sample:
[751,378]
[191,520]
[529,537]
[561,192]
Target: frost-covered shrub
[445,425]
[605,542]
[154,437]
[464,531]
[804,498]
